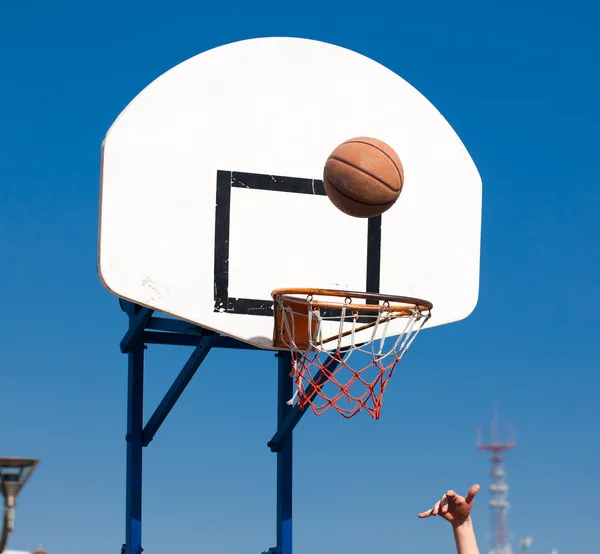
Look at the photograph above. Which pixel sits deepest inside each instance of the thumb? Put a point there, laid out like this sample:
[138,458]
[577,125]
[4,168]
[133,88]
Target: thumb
[471,494]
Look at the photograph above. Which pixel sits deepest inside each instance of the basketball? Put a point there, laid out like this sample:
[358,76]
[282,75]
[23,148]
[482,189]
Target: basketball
[363,177]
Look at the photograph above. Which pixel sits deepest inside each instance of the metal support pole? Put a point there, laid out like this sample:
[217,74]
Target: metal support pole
[168,331]
[285,390]
[177,388]
[295,413]
[135,422]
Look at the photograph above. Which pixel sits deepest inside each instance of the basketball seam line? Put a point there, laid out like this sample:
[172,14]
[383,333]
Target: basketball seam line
[400,173]
[333,184]
[367,173]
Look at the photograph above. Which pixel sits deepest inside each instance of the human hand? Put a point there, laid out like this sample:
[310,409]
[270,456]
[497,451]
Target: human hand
[452,507]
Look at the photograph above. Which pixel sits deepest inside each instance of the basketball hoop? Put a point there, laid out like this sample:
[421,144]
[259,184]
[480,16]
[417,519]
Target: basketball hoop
[324,329]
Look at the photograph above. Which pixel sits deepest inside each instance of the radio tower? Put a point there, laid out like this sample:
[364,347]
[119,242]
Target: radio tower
[496,445]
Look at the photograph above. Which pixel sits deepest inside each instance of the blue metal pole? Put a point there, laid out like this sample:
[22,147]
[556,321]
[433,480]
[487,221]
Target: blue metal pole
[285,391]
[294,415]
[135,414]
[177,388]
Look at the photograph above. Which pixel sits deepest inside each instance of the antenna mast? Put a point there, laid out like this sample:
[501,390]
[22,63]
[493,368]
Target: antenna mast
[496,444]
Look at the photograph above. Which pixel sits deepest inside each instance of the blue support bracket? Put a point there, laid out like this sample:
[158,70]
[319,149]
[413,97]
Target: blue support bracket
[145,328]
[138,320]
[192,339]
[178,386]
[134,345]
[295,414]
[174,326]
[174,339]
[135,421]
[285,391]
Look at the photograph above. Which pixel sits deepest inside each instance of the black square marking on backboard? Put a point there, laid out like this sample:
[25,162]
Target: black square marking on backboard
[226,180]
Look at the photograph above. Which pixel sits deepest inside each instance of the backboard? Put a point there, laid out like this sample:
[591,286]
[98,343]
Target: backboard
[211,191]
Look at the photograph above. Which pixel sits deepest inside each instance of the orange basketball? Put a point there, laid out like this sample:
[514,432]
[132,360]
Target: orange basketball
[363,177]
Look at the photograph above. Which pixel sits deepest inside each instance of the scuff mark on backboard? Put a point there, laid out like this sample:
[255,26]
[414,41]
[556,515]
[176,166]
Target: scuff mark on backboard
[157,292]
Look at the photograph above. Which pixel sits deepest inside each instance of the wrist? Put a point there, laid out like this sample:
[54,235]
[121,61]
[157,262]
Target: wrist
[464,537]
[466,525]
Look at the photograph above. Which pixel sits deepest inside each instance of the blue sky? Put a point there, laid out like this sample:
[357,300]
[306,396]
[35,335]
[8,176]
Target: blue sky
[520,85]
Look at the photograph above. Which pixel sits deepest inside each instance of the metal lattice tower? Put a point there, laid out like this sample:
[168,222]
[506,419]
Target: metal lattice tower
[496,444]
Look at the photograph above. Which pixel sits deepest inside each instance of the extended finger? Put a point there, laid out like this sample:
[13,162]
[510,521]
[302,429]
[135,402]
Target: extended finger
[471,494]
[428,513]
[453,498]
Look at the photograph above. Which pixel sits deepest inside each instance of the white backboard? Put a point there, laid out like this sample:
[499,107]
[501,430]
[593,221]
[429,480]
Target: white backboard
[211,191]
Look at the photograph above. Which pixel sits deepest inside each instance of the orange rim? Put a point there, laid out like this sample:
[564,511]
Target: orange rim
[395,304]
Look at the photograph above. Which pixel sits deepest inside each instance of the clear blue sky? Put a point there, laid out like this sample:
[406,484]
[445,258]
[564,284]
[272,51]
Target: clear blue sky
[518,82]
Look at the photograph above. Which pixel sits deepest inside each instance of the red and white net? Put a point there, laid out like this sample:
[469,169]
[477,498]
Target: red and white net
[343,354]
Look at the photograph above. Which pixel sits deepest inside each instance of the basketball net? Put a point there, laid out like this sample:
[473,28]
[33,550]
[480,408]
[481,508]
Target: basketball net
[343,370]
